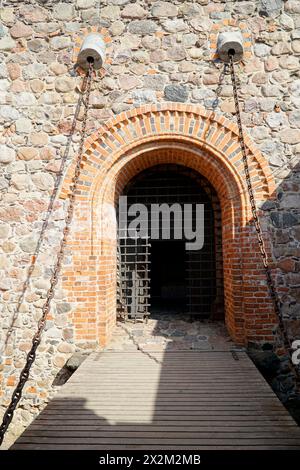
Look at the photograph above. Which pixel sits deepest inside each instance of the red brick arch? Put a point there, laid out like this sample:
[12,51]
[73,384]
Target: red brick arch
[140,138]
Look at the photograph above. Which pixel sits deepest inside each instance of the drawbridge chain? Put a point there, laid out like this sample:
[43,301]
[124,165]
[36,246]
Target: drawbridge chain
[268,272]
[17,393]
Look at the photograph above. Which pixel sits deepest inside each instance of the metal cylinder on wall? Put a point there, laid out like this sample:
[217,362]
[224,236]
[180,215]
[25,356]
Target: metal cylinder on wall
[230,43]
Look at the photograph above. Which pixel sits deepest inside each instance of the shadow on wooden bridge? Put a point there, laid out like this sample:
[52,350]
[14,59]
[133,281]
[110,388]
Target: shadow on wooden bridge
[177,400]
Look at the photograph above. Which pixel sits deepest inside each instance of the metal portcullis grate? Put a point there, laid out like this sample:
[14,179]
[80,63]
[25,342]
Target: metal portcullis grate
[133,277]
[149,271]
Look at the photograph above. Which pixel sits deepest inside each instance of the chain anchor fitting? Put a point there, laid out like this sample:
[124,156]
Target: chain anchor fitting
[230,43]
[268,272]
[92,51]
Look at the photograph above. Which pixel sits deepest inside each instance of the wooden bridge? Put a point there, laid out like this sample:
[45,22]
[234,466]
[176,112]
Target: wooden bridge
[174,400]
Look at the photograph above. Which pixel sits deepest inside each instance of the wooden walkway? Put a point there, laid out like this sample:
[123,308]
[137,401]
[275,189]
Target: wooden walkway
[191,400]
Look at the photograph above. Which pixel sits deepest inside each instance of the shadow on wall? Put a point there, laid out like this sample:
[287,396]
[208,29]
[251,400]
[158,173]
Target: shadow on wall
[281,226]
[42,236]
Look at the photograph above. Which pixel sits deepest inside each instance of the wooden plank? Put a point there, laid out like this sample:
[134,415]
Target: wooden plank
[171,433]
[143,440]
[58,446]
[179,389]
[160,427]
[111,413]
[193,398]
[170,421]
[171,407]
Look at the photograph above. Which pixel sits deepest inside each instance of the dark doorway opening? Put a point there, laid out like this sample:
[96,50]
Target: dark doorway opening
[167,276]
[159,274]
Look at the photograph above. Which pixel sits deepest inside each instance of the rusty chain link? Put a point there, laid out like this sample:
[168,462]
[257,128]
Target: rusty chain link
[271,285]
[215,103]
[48,213]
[17,393]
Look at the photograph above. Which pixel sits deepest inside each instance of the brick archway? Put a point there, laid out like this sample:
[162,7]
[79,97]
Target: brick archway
[171,133]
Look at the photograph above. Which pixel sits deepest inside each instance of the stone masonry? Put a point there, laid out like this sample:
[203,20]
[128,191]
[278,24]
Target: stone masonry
[157,51]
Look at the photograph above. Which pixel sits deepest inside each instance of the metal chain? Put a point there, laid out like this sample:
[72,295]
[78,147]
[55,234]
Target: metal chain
[48,213]
[215,102]
[137,344]
[271,285]
[17,393]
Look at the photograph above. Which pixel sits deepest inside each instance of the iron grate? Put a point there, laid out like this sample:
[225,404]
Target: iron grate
[203,280]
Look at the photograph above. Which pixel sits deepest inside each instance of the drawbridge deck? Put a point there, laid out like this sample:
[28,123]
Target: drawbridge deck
[189,400]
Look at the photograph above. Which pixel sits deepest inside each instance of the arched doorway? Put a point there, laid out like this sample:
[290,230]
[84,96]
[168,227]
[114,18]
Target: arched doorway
[134,141]
[168,273]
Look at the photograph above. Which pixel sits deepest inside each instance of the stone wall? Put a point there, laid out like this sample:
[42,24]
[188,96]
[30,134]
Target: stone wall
[156,52]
